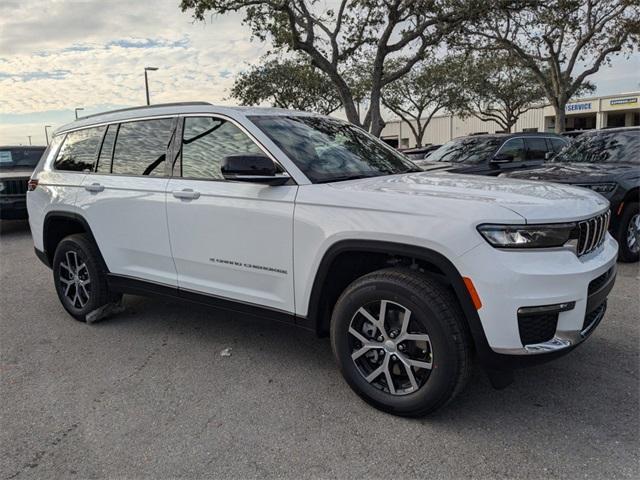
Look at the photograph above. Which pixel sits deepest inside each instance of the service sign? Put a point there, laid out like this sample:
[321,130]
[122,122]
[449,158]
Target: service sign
[579,107]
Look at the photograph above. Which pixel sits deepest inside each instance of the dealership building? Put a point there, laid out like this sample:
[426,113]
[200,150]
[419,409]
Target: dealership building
[610,111]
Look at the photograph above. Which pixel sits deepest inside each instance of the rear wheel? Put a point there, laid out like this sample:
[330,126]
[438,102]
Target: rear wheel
[628,234]
[400,342]
[80,277]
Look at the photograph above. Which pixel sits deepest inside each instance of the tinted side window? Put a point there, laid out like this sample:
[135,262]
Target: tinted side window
[513,148]
[536,148]
[206,141]
[106,152]
[79,150]
[557,144]
[141,147]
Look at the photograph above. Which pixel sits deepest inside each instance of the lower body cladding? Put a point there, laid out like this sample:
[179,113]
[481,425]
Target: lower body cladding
[537,305]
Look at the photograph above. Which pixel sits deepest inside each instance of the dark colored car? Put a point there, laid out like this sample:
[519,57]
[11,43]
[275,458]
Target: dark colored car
[494,154]
[16,166]
[608,162]
[420,153]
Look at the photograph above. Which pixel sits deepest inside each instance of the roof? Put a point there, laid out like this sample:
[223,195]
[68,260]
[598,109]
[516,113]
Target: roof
[172,109]
[28,147]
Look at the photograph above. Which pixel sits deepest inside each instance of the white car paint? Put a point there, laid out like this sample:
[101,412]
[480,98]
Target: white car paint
[213,244]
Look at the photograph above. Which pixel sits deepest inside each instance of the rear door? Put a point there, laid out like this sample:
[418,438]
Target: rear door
[229,239]
[123,199]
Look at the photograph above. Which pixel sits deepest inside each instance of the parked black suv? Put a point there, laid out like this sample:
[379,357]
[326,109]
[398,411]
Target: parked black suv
[16,166]
[493,154]
[608,162]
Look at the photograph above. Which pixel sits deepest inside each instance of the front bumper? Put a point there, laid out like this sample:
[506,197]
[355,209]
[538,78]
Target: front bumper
[13,207]
[511,283]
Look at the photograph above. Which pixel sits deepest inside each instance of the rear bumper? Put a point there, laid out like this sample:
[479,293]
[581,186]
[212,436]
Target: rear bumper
[13,207]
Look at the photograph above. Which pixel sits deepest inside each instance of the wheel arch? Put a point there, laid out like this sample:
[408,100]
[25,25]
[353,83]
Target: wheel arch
[320,300]
[60,224]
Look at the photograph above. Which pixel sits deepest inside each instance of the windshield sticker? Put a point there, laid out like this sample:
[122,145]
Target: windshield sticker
[5,156]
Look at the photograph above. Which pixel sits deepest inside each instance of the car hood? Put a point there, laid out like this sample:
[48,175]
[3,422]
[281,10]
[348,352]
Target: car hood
[576,172]
[537,202]
[17,173]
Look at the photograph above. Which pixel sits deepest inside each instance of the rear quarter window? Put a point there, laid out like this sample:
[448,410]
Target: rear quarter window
[79,150]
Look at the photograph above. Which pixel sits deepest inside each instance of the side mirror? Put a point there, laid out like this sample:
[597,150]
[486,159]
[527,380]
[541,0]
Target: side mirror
[502,158]
[249,167]
[549,155]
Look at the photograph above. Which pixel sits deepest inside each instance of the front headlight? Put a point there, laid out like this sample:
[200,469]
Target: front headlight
[599,187]
[529,236]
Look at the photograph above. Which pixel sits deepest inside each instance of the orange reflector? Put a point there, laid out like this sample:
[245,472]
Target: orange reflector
[620,208]
[475,298]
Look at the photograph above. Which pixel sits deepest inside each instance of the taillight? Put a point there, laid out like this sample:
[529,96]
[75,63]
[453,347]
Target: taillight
[32,184]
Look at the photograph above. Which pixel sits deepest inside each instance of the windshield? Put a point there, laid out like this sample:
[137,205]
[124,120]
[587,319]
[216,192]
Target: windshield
[603,147]
[16,158]
[466,150]
[328,150]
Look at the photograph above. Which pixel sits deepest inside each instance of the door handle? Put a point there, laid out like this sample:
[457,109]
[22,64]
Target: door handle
[94,187]
[186,194]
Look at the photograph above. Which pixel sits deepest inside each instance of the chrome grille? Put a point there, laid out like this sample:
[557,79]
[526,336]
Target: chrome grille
[592,233]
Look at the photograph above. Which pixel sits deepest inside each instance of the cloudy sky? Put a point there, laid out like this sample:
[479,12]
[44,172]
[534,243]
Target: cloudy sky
[56,55]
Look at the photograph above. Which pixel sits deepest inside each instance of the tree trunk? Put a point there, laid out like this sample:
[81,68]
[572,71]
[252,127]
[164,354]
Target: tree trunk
[377,123]
[560,118]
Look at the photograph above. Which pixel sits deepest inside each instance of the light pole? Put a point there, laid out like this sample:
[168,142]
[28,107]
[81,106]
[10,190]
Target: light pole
[146,80]
[46,133]
[77,110]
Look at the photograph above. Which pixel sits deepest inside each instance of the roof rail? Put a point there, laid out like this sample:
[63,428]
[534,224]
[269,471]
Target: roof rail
[156,105]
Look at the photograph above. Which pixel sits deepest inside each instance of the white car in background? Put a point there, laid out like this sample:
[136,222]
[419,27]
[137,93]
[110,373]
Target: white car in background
[309,220]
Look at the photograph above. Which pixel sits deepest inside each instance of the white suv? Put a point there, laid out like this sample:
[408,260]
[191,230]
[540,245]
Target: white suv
[309,220]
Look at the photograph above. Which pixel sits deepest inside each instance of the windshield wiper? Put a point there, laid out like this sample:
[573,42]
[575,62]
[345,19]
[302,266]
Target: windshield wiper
[345,177]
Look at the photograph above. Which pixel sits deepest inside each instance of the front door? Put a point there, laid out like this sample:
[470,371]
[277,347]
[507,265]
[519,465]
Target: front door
[229,239]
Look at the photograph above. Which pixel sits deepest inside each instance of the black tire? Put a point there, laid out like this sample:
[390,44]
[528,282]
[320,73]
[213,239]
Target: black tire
[625,254]
[436,310]
[98,292]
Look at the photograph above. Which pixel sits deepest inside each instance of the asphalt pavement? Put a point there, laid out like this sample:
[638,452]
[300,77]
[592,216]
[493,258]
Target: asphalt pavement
[147,394]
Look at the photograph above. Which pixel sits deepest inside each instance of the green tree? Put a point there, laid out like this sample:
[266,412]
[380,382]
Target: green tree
[289,83]
[561,42]
[336,40]
[430,87]
[495,88]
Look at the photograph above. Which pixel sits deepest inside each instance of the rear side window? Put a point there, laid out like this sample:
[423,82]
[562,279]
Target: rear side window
[141,147]
[206,141]
[106,152]
[557,144]
[536,148]
[79,150]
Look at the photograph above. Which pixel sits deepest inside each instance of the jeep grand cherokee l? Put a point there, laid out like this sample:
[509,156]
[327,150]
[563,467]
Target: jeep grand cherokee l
[16,166]
[309,220]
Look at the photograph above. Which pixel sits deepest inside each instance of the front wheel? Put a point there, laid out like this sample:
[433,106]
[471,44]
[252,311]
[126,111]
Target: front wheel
[80,277]
[400,341]
[628,234]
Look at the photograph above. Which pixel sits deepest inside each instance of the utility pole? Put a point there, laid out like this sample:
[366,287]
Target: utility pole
[146,81]
[46,133]
[29,139]
[78,109]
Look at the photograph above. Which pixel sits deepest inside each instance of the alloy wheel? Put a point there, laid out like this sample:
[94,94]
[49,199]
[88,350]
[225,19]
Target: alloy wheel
[633,234]
[390,349]
[75,280]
